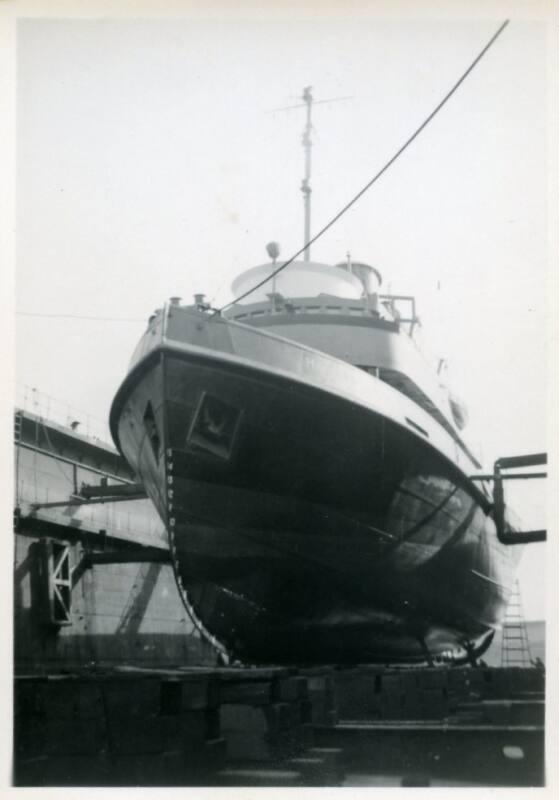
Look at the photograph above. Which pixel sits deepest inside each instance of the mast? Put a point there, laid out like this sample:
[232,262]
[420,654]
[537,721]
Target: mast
[308,102]
[305,185]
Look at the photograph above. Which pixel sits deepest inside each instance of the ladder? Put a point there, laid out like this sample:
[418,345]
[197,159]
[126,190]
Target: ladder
[515,645]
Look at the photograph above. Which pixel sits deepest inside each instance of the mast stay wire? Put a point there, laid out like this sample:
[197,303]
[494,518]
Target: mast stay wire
[375,178]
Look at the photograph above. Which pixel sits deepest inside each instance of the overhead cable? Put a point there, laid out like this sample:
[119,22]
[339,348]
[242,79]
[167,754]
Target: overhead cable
[77,316]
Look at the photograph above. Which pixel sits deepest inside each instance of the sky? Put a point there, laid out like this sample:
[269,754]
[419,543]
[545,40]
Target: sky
[151,163]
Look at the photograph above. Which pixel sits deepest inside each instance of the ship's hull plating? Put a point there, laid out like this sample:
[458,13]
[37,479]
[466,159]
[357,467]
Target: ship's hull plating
[305,527]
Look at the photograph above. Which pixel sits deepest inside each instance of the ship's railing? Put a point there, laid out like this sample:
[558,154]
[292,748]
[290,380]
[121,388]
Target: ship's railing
[300,305]
[29,398]
[401,307]
[396,308]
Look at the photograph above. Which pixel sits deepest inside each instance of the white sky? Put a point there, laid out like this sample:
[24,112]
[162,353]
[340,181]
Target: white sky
[148,166]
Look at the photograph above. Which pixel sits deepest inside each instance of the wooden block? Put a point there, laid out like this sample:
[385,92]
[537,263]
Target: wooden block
[457,682]
[320,683]
[241,718]
[306,708]
[254,693]
[323,713]
[496,712]
[258,719]
[474,679]
[132,696]
[488,682]
[171,697]
[67,699]
[142,735]
[409,681]
[215,753]
[28,698]
[278,717]
[332,757]
[356,698]
[213,693]
[249,746]
[195,694]
[319,710]
[527,680]
[194,727]
[298,739]
[75,737]
[213,723]
[331,717]
[527,712]
[285,690]
[184,695]
[435,704]
[287,744]
[412,707]
[391,684]
[500,686]
[291,713]
[258,733]
[307,736]
[391,706]
[432,678]
[297,713]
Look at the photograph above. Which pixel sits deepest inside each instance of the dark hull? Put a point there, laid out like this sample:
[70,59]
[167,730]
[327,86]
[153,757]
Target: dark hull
[304,527]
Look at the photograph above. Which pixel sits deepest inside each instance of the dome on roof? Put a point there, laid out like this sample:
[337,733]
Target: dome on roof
[299,279]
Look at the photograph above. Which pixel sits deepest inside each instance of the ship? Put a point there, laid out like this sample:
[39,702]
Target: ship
[312,474]
[311,470]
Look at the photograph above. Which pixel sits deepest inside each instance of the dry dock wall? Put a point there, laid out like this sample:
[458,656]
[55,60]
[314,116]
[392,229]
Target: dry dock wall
[120,613]
[92,583]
